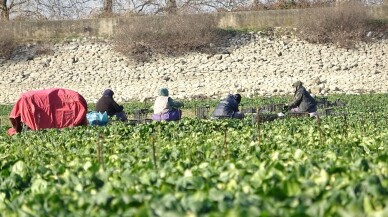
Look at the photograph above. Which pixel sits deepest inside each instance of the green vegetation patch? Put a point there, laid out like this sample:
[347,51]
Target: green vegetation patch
[293,167]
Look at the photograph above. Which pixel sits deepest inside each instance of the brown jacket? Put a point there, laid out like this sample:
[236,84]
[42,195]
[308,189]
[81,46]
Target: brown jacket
[108,104]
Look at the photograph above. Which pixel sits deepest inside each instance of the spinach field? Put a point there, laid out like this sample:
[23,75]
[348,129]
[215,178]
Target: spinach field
[337,166]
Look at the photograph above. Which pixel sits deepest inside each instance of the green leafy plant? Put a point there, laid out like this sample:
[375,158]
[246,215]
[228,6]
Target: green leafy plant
[296,170]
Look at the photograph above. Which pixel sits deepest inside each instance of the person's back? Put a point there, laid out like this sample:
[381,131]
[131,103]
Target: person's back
[165,108]
[162,105]
[308,102]
[303,101]
[228,108]
[107,104]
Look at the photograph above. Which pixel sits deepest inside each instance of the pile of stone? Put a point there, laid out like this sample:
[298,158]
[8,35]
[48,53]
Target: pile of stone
[253,64]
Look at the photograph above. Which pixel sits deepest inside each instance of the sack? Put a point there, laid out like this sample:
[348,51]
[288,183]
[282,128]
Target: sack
[172,115]
[96,118]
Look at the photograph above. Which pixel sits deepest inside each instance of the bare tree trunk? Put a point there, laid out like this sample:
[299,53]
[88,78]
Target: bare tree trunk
[4,13]
[172,7]
[108,6]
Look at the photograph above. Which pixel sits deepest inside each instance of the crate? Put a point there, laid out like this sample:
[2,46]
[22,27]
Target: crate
[272,108]
[140,116]
[264,118]
[202,112]
[250,110]
[297,115]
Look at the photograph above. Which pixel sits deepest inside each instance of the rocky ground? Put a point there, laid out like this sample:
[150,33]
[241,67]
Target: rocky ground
[254,64]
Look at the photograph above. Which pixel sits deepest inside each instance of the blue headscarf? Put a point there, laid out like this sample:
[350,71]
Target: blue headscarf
[163,92]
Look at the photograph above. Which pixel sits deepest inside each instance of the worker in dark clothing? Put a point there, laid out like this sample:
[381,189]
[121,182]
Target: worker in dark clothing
[107,104]
[228,108]
[303,101]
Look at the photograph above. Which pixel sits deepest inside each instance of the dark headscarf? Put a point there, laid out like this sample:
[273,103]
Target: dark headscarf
[297,84]
[108,92]
[237,97]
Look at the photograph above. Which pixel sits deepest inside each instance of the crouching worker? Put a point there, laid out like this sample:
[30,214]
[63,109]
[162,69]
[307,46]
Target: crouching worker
[165,108]
[303,101]
[107,104]
[228,108]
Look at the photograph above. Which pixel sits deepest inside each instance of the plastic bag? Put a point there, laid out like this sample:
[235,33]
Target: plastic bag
[96,118]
